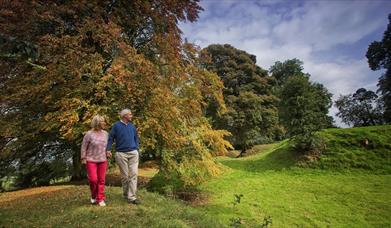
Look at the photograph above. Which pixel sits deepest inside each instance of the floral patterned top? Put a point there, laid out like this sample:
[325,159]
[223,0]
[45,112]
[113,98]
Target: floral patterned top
[93,148]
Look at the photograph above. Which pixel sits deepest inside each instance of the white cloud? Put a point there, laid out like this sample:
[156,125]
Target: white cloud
[341,79]
[281,30]
[325,24]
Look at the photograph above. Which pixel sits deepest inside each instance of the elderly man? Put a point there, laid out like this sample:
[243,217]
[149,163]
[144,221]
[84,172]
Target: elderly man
[124,134]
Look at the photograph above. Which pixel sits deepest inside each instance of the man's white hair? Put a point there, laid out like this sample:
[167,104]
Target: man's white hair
[124,112]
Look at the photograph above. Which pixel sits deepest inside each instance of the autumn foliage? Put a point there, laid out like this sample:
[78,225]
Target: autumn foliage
[64,61]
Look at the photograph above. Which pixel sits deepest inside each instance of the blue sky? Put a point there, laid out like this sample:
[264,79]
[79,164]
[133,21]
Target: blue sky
[330,36]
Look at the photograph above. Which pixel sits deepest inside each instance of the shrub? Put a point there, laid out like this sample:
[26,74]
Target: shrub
[309,145]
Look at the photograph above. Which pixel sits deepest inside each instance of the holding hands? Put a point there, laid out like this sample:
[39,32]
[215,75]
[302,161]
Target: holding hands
[108,154]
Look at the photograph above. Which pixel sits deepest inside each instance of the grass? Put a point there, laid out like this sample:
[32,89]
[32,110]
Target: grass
[273,184]
[269,157]
[68,206]
[303,198]
[270,180]
[346,149]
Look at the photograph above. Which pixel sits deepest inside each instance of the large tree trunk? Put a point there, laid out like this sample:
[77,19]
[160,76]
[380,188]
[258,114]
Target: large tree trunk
[242,151]
[78,170]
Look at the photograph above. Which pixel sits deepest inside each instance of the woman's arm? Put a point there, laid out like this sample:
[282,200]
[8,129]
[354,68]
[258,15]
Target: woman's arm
[84,147]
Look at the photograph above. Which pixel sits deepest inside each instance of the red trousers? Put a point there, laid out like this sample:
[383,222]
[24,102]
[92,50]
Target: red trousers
[96,172]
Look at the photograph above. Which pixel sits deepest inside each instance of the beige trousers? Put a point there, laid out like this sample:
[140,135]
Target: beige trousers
[128,166]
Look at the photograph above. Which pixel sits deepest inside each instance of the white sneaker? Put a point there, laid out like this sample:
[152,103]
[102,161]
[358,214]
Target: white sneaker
[102,204]
[93,201]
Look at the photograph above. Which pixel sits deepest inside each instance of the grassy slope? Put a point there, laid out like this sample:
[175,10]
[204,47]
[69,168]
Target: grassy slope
[272,184]
[303,198]
[346,150]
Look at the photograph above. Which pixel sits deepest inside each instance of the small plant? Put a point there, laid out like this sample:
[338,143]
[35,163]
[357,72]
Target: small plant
[236,222]
[266,222]
[310,145]
[237,199]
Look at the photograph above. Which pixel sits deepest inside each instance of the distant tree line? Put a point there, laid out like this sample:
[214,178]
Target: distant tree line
[264,107]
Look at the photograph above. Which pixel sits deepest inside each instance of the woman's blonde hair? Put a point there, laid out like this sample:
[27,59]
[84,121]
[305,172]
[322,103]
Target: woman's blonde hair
[95,123]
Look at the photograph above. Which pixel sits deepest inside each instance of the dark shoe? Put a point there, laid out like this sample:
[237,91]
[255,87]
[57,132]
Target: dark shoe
[135,202]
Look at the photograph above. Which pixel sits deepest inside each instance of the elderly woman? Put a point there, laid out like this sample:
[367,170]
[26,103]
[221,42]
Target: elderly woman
[93,154]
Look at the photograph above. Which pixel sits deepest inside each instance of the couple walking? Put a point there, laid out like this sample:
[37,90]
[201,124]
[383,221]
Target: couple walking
[96,148]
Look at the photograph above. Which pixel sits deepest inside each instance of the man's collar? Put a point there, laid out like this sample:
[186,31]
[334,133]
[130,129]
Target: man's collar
[124,122]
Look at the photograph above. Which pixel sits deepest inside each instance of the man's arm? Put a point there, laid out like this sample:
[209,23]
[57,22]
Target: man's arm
[136,138]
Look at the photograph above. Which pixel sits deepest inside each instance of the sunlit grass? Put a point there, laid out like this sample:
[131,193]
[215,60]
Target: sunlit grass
[68,206]
[270,179]
[274,185]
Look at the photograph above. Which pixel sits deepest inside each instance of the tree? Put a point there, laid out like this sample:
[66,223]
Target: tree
[303,111]
[379,57]
[282,71]
[74,59]
[303,105]
[248,119]
[252,113]
[363,108]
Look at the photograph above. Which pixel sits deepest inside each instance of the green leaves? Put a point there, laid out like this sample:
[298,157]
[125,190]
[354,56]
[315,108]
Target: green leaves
[303,105]
[379,57]
[303,111]
[363,108]
[251,114]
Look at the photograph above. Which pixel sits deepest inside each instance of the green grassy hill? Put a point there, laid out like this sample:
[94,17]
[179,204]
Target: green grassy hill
[352,149]
[349,186]
[365,148]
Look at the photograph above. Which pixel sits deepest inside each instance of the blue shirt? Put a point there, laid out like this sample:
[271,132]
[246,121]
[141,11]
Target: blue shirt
[125,137]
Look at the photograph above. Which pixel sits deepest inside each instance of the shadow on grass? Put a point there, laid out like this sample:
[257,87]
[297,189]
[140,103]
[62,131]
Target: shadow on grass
[112,179]
[62,206]
[57,206]
[36,205]
[279,159]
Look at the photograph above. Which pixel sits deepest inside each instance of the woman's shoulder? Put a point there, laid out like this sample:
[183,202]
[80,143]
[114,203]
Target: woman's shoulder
[89,132]
[99,133]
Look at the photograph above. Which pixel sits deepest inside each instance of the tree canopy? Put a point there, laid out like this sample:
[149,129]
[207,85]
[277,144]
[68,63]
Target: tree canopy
[252,114]
[64,61]
[71,60]
[361,108]
[303,105]
[281,71]
[379,57]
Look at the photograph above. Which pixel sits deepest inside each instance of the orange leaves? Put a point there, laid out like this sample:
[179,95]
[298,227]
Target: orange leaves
[99,62]
[67,116]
